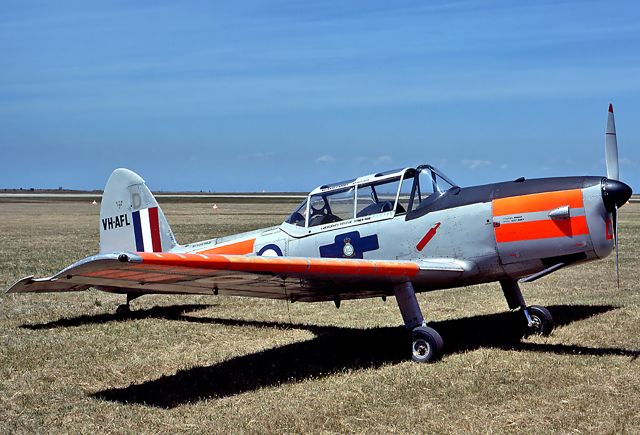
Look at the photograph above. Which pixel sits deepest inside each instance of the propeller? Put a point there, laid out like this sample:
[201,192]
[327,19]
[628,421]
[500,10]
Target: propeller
[611,147]
[613,173]
[615,241]
[614,193]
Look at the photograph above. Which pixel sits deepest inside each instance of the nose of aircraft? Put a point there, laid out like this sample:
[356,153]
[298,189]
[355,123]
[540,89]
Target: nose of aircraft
[615,193]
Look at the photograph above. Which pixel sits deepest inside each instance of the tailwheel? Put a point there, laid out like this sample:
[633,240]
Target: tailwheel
[539,321]
[426,344]
[123,310]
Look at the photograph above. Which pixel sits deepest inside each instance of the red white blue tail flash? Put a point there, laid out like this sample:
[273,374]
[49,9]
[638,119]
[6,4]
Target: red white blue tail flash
[147,230]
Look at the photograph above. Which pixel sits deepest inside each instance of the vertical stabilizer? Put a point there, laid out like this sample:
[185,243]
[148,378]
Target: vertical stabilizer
[130,218]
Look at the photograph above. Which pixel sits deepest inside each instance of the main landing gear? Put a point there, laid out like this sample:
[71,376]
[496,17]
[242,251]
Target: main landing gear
[536,320]
[426,343]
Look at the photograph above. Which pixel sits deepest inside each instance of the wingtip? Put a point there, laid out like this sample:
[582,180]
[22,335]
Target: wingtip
[610,108]
[16,288]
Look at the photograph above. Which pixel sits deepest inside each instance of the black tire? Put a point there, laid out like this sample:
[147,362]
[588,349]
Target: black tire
[542,319]
[123,310]
[426,344]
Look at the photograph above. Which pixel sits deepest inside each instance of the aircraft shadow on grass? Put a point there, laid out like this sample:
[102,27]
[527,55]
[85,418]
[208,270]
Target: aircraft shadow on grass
[336,349]
[173,312]
[332,350]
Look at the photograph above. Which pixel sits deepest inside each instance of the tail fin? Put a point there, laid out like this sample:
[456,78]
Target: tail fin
[130,218]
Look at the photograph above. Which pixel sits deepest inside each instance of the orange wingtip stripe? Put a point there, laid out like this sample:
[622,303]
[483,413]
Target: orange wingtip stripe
[283,265]
[545,229]
[238,248]
[537,202]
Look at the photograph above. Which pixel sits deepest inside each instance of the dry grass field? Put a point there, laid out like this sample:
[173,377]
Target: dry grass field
[215,364]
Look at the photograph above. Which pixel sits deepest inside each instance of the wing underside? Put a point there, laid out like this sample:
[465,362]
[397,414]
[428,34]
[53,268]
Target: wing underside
[297,279]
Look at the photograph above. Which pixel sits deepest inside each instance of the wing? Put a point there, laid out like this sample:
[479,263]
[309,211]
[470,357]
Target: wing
[298,279]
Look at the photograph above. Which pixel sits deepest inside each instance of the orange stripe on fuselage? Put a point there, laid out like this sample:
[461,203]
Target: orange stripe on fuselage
[537,202]
[544,229]
[238,248]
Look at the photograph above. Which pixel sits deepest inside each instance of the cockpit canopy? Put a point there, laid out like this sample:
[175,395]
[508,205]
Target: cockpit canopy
[385,194]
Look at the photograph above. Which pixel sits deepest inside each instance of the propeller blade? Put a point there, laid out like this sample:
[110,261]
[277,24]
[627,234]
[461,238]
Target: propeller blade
[615,241]
[611,147]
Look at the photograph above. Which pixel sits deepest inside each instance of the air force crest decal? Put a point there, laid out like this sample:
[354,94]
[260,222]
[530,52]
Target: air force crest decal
[350,245]
[348,250]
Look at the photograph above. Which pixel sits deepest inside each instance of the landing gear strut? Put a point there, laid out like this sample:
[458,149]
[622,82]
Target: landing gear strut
[426,343]
[125,309]
[537,320]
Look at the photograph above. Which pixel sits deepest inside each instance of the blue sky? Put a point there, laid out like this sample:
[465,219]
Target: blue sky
[286,95]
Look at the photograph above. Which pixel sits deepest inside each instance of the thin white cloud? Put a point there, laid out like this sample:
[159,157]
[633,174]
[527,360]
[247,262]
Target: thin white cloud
[327,158]
[475,163]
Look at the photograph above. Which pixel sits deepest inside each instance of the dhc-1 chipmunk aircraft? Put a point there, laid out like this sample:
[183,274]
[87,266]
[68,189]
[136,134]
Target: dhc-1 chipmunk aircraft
[393,233]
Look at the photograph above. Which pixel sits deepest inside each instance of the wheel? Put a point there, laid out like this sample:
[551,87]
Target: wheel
[542,321]
[123,310]
[426,344]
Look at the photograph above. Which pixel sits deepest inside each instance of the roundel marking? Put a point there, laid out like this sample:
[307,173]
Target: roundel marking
[270,250]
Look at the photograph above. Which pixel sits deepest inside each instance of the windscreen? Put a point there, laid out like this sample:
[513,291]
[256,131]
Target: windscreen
[430,185]
[297,217]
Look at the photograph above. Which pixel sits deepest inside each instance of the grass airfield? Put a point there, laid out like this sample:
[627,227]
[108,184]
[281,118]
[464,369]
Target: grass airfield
[68,363]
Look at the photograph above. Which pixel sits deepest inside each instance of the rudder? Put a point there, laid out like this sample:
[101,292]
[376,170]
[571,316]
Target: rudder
[130,217]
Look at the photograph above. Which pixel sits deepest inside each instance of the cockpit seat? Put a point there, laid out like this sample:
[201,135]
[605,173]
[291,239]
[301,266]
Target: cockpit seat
[321,219]
[378,207]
